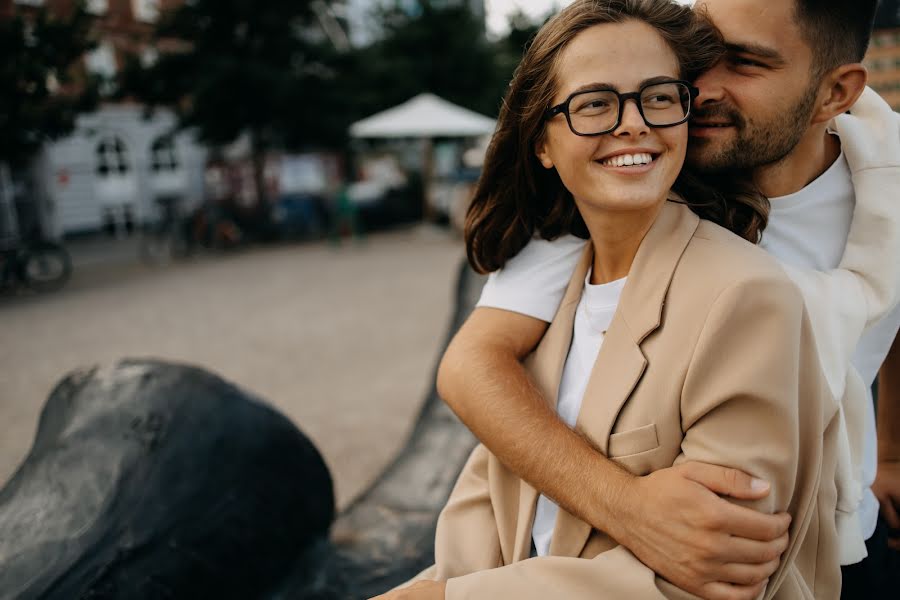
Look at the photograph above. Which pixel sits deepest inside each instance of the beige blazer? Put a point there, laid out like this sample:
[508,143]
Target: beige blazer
[709,357]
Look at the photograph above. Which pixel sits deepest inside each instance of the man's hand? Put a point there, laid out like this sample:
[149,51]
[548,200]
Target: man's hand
[887,490]
[679,527]
[420,590]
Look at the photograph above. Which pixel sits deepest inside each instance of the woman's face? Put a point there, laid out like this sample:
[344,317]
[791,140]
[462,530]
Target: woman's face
[618,56]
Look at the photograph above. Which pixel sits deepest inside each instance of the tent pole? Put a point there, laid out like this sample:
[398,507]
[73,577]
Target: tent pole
[428,180]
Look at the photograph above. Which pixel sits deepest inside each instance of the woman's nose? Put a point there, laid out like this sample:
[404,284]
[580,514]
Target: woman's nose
[632,122]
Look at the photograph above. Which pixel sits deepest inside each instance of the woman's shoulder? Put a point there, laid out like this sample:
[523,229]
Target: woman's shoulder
[718,259]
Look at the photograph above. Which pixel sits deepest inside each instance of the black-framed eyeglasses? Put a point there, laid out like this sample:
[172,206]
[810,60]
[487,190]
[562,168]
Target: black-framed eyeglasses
[596,112]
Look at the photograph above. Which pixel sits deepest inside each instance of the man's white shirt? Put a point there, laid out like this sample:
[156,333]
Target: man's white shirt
[807,230]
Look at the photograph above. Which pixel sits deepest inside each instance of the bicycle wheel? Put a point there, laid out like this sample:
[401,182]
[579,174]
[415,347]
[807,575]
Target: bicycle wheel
[45,266]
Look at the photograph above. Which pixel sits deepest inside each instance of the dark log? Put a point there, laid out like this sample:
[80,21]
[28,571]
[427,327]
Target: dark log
[153,480]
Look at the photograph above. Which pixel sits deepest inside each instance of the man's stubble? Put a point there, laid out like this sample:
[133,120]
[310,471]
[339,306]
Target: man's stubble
[756,144]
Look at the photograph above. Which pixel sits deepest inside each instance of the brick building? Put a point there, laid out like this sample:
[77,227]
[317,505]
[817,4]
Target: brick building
[883,57]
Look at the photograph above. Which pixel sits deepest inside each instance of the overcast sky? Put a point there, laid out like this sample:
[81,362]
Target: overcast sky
[499,10]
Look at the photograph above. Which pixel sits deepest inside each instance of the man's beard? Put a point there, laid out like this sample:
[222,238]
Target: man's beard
[755,144]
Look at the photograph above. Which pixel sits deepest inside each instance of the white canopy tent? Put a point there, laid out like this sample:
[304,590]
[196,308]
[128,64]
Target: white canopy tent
[425,116]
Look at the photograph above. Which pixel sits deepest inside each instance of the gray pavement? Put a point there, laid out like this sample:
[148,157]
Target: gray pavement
[343,341]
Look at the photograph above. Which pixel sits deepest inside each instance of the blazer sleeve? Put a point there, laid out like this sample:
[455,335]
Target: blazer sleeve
[755,399]
[611,575]
[467,539]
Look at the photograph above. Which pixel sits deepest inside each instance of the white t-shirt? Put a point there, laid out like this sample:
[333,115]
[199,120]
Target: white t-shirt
[592,318]
[807,229]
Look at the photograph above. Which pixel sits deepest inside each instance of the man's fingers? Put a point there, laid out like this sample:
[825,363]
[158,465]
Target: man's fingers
[753,552]
[747,523]
[726,481]
[743,574]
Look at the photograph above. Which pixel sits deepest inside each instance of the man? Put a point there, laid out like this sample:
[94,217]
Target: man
[787,59]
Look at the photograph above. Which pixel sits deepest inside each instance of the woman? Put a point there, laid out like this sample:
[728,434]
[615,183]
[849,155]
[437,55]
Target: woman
[676,340]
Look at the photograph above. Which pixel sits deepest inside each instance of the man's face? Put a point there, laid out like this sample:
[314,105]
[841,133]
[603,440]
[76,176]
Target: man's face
[755,104]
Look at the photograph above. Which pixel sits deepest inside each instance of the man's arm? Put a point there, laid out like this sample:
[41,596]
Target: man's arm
[673,520]
[887,480]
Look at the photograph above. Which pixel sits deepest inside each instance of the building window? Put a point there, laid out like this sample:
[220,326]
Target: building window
[97,7]
[146,10]
[162,155]
[112,157]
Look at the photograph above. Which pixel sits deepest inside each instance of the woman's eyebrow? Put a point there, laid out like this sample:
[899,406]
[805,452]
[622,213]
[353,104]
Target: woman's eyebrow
[657,79]
[610,86]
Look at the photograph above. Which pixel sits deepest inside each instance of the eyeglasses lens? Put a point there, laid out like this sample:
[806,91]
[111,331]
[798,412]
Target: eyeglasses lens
[597,112]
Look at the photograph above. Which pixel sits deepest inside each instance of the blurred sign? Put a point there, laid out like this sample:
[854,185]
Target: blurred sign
[888,15]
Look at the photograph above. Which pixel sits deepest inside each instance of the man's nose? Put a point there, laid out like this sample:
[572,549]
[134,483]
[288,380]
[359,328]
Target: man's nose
[632,122]
[710,86]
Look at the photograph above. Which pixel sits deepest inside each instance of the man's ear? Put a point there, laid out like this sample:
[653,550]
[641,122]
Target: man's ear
[540,150]
[841,88]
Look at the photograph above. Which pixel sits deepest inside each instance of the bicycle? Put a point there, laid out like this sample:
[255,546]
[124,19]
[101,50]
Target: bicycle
[41,266]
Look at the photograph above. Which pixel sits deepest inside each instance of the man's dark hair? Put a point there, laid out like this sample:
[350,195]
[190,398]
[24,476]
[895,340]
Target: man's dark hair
[838,31]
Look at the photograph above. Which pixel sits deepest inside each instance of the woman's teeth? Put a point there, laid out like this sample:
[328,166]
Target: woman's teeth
[627,160]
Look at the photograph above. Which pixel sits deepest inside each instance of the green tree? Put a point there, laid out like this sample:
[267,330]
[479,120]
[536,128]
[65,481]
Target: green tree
[260,67]
[41,92]
[432,48]
[511,48]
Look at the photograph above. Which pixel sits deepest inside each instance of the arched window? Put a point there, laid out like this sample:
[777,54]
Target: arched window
[112,157]
[162,155]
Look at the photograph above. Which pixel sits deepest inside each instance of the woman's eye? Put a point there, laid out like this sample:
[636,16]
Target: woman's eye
[593,106]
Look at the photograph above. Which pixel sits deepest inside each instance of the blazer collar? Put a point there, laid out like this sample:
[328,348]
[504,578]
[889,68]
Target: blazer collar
[654,265]
[620,363]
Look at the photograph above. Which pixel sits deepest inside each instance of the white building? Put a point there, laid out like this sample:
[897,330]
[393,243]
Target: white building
[113,168]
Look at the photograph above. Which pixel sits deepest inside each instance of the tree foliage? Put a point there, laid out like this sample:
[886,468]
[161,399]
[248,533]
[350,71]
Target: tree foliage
[435,48]
[234,66]
[265,67]
[41,92]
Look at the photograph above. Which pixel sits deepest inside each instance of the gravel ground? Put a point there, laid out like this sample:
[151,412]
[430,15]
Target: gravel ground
[341,340]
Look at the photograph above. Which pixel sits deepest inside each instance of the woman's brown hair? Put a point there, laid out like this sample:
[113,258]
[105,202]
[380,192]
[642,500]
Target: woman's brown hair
[517,198]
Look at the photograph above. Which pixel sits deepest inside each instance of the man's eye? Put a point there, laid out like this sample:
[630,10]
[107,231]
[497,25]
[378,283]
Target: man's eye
[745,62]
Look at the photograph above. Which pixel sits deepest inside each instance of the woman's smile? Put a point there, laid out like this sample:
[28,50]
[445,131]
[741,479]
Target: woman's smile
[630,161]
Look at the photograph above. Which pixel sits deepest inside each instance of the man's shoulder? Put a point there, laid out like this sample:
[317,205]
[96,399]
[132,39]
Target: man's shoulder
[533,282]
[538,253]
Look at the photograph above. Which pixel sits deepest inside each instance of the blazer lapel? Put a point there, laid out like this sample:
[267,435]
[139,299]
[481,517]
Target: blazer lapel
[620,363]
[545,366]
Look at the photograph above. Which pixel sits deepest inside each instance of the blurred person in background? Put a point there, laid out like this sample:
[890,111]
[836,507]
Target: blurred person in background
[675,340]
[790,67]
